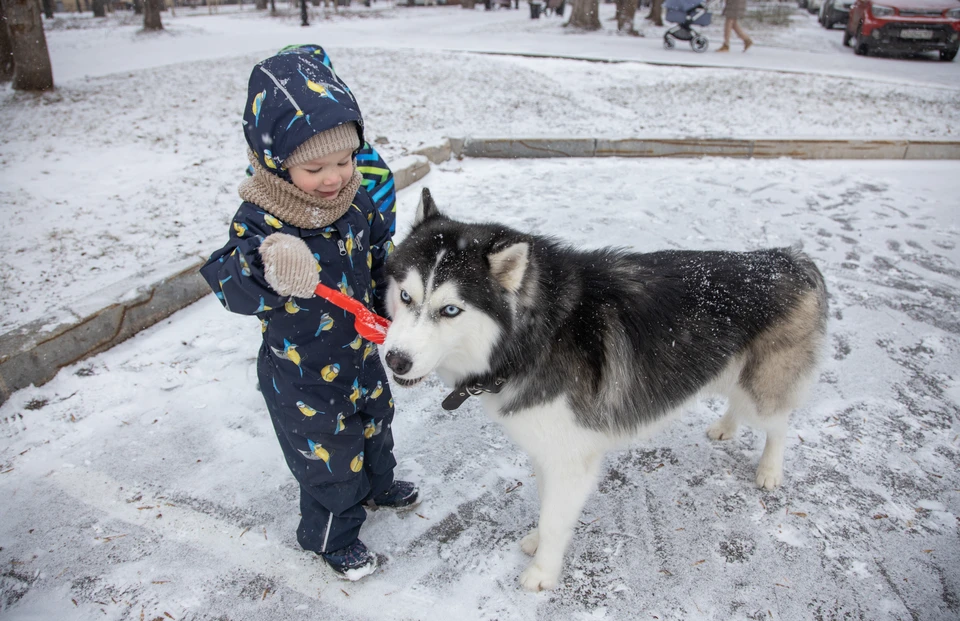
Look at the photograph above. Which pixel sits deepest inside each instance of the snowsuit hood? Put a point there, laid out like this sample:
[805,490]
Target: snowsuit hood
[291,97]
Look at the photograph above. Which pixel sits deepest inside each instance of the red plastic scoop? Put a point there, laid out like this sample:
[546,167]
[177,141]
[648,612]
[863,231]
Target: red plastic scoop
[368,324]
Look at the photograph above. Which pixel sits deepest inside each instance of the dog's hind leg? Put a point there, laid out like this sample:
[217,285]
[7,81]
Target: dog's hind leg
[740,406]
[564,482]
[770,470]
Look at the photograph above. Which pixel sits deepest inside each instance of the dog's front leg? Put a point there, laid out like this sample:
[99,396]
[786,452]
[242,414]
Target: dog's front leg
[563,485]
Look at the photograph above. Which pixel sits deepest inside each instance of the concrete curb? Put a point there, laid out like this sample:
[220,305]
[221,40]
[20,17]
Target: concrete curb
[35,353]
[711,147]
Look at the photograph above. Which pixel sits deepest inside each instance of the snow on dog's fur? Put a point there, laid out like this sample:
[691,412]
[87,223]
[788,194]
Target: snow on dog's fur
[594,348]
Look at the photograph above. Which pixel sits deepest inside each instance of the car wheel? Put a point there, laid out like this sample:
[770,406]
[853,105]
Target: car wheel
[948,55]
[861,48]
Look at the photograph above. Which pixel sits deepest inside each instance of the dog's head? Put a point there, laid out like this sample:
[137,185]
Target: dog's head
[452,295]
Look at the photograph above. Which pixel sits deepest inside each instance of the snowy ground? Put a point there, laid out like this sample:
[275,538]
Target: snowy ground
[139,168]
[146,482]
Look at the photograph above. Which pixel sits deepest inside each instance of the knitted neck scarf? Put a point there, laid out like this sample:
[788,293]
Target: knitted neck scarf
[292,205]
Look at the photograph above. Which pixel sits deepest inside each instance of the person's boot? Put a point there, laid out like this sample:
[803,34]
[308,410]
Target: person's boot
[351,562]
[723,48]
[401,494]
[747,44]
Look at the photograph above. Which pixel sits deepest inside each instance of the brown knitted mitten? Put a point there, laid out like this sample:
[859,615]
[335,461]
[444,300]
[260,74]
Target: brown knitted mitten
[289,266]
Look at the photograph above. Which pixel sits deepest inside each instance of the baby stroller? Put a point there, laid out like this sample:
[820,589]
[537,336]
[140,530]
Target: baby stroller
[687,13]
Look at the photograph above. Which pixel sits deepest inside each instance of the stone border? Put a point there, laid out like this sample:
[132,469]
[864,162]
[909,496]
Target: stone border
[35,353]
[710,147]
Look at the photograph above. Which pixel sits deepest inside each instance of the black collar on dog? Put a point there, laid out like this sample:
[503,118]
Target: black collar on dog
[463,392]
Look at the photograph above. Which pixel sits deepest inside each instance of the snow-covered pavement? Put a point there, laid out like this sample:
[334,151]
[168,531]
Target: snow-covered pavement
[146,481]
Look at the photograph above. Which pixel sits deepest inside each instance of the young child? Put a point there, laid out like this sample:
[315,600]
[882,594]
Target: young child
[310,215]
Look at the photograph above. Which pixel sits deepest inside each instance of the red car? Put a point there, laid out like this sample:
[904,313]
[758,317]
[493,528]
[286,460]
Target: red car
[904,26]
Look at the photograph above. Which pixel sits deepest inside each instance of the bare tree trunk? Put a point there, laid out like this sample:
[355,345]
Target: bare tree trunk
[48,9]
[626,11]
[138,7]
[31,60]
[151,15]
[304,20]
[656,12]
[585,15]
[6,49]
[98,8]
[261,5]
[273,7]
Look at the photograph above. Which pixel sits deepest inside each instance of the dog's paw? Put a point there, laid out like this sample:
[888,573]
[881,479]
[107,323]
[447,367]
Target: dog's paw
[534,579]
[768,477]
[530,542]
[721,431]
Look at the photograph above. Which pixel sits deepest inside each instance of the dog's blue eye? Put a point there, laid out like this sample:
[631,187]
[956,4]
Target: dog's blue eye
[404,296]
[450,311]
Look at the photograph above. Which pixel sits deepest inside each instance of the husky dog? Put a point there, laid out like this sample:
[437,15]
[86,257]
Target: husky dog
[577,352]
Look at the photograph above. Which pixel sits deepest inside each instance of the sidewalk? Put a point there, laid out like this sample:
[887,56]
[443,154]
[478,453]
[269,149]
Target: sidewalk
[146,480]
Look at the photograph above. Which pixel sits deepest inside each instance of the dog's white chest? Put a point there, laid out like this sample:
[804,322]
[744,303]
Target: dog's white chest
[549,432]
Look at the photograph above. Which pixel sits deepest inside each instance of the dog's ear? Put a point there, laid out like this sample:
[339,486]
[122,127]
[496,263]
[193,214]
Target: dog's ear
[426,209]
[509,265]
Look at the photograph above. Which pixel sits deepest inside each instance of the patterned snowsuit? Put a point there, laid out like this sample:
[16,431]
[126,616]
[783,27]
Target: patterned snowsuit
[323,384]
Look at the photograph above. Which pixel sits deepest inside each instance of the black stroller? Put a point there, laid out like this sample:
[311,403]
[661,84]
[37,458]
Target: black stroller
[685,14]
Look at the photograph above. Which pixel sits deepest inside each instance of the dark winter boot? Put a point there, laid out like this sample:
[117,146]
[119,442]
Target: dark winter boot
[352,562]
[400,494]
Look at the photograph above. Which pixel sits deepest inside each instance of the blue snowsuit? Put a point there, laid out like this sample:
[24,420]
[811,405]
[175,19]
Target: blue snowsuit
[323,384]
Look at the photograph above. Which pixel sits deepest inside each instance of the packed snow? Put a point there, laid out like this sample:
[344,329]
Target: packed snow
[146,483]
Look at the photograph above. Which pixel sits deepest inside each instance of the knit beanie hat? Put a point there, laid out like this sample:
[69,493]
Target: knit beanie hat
[340,138]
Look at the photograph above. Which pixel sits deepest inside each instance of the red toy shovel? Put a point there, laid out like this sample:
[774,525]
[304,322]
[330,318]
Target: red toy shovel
[368,324]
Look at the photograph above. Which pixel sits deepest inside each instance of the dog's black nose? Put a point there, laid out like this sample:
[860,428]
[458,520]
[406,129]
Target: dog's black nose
[398,362]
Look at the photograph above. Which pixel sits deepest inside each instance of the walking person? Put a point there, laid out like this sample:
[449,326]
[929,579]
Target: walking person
[734,10]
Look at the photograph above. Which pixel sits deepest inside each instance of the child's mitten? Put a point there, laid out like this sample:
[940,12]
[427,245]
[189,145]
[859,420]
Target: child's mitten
[289,266]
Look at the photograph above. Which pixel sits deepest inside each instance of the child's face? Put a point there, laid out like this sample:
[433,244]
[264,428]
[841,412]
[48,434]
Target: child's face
[325,176]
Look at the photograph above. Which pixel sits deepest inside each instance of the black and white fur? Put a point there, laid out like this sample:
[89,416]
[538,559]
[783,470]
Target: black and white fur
[599,346]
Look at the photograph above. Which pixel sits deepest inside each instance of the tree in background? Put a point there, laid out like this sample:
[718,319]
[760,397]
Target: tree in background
[48,9]
[304,21]
[99,8]
[151,15]
[626,11]
[6,50]
[31,60]
[656,12]
[586,15]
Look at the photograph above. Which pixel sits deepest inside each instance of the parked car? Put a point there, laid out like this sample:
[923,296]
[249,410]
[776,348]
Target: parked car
[834,12]
[904,26]
[812,6]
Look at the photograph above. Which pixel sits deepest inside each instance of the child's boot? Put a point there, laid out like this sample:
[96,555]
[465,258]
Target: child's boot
[400,494]
[351,562]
